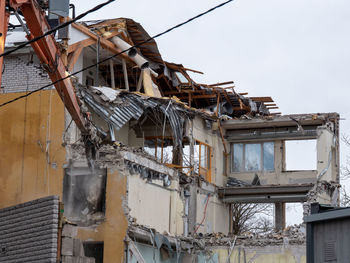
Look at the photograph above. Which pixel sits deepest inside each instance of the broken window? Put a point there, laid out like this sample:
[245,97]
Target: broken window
[249,157]
[300,155]
[202,158]
[84,194]
[159,147]
[181,77]
[94,249]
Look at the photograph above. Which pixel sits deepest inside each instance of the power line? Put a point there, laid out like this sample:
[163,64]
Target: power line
[53,30]
[117,54]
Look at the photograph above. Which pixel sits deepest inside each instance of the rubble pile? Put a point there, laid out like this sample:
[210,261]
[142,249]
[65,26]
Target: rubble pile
[292,235]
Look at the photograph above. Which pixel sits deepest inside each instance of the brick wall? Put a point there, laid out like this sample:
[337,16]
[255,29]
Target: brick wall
[22,73]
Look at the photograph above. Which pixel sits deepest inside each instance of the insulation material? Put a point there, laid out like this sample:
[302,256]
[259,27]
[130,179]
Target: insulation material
[28,231]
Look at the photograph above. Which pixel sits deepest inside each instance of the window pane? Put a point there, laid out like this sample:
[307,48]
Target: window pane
[238,157]
[253,157]
[196,158]
[269,156]
[181,77]
[150,147]
[204,160]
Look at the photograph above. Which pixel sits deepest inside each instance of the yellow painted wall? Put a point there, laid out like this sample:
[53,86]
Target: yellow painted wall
[27,171]
[264,254]
[113,230]
[28,127]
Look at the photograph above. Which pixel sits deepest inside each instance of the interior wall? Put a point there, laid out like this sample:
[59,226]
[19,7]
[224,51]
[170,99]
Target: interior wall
[155,206]
[32,155]
[212,216]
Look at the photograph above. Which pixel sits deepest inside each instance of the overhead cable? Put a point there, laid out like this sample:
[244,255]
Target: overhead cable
[53,30]
[117,54]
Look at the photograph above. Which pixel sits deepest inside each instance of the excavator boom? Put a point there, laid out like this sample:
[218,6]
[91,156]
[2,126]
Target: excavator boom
[47,51]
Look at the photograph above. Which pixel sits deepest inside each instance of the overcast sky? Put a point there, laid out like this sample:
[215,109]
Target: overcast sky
[297,51]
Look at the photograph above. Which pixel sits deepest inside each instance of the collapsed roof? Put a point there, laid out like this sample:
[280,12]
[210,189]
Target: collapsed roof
[169,79]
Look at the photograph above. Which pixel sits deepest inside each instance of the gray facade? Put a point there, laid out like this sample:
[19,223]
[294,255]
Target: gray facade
[28,231]
[328,236]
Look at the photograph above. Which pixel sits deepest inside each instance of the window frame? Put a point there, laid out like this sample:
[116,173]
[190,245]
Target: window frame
[244,157]
[161,146]
[208,153]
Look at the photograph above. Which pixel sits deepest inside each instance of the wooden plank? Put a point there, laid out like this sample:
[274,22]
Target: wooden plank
[207,96]
[230,87]
[192,70]
[262,99]
[221,83]
[182,91]
[271,108]
[227,98]
[104,43]
[73,59]
[90,41]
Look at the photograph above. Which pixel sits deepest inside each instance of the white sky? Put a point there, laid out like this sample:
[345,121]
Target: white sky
[297,51]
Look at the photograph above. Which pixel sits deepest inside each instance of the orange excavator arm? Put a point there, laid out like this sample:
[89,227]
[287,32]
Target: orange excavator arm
[46,49]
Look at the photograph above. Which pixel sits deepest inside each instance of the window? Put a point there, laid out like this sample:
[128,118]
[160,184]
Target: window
[202,157]
[161,149]
[181,77]
[301,155]
[249,157]
[84,194]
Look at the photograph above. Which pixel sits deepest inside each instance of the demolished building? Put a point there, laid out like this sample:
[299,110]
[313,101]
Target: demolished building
[166,160]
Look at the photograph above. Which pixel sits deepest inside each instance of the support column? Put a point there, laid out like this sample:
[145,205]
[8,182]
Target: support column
[280,216]
[111,67]
[230,231]
[125,72]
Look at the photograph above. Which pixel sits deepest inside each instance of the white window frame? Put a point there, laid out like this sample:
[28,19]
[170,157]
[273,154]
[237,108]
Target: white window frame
[243,157]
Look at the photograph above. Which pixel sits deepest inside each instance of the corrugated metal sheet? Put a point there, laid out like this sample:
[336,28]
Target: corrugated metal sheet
[129,106]
[328,232]
[28,231]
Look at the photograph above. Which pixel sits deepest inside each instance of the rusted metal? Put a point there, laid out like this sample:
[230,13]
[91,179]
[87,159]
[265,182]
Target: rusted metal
[4,16]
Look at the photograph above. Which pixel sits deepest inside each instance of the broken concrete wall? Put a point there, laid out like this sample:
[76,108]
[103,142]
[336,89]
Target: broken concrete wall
[112,230]
[207,132]
[161,248]
[212,215]
[84,193]
[279,175]
[320,127]
[32,155]
[326,155]
[154,200]
[154,206]
[149,253]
